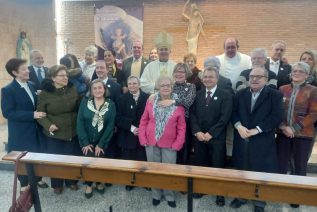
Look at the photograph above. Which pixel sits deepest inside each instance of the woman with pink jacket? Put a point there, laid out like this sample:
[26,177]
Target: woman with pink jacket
[162,132]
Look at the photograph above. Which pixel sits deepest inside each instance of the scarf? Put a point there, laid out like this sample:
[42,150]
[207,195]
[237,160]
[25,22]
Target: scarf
[161,115]
[99,114]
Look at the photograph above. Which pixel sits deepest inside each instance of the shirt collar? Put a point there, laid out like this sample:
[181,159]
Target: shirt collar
[105,80]
[258,92]
[274,62]
[134,59]
[212,90]
[22,84]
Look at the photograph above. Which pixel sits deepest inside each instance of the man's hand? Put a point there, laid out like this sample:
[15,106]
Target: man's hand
[253,132]
[207,136]
[243,132]
[200,136]
[288,132]
[136,131]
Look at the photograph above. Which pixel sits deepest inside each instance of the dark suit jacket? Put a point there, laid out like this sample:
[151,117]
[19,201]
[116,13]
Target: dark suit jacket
[18,109]
[126,67]
[115,91]
[243,81]
[259,152]
[214,117]
[283,74]
[34,79]
[129,113]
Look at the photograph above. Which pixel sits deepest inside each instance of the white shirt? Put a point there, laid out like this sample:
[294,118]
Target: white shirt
[274,66]
[27,89]
[105,80]
[213,90]
[232,67]
[36,71]
[153,71]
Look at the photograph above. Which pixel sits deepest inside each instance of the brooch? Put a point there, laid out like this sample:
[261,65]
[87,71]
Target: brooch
[186,89]
[215,98]
[108,86]
[282,68]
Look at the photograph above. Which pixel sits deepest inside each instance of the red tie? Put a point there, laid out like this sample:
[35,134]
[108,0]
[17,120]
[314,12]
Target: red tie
[208,98]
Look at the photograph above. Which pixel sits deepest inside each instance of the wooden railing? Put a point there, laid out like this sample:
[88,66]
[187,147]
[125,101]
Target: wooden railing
[191,179]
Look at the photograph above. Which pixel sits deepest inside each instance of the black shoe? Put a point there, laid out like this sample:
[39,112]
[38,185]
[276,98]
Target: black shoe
[294,205]
[88,195]
[172,204]
[129,188]
[147,188]
[236,203]
[108,184]
[42,184]
[197,196]
[258,209]
[220,201]
[156,202]
[100,188]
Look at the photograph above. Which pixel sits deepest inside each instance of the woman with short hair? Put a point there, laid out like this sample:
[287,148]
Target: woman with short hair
[95,125]
[162,132]
[59,100]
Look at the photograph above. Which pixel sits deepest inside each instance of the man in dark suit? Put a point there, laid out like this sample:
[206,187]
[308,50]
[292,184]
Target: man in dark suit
[209,117]
[37,71]
[134,65]
[18,105]
[114,88]
[130,109]
[275,63]
[257,111]
[223,82]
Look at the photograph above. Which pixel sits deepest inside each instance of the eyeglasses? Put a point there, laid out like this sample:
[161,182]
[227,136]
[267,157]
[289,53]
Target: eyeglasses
[299,71]
[256,77]
[62,75]
[166,85]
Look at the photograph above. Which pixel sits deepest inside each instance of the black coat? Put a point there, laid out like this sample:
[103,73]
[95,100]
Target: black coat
[34,79]
[283,74]
[214,117]
[259,153]
[114,90]
[129,113]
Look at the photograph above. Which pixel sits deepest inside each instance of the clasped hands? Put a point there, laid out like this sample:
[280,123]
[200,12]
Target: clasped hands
[203,137]
[245,132]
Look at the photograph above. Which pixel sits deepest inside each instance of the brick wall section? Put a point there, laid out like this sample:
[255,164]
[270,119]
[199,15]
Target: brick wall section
[256,23]
[34,16]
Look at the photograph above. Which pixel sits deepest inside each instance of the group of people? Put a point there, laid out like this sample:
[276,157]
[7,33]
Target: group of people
[257,109]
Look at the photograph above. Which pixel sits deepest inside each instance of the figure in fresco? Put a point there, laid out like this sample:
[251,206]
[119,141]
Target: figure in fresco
[23,47]
[118,42]
[195,25]
[117,36]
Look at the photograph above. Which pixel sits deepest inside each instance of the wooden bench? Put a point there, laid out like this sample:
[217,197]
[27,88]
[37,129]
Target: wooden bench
[191,179]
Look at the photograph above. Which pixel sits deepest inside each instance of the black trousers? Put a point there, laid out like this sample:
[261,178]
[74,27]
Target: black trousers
[137,153]
[61,147]
[211,154]
[92,154]
[296,150]
[184,153]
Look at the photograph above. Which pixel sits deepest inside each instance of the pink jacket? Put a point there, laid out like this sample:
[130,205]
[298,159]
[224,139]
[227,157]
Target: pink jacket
[174,132]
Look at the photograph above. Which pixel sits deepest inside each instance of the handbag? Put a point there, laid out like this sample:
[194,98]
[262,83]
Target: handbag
[25,200]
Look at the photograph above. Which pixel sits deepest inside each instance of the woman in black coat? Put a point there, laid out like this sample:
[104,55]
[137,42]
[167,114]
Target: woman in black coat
[130,109]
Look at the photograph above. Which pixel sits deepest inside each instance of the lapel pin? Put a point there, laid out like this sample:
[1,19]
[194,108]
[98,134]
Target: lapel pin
[215,98]
[131,106]
[108,86]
